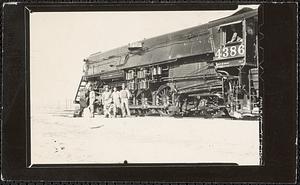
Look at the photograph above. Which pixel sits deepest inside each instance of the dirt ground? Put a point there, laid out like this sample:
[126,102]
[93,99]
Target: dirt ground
[57,137]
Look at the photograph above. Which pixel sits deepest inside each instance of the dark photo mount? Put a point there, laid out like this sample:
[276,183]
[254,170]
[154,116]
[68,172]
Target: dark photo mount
[278,69]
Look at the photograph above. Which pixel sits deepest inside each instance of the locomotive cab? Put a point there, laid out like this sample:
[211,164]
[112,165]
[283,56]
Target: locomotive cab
[237,56]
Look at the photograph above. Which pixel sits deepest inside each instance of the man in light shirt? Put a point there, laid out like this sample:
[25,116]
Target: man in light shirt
[125,95]
[116,101]
[92,98]
[106,100]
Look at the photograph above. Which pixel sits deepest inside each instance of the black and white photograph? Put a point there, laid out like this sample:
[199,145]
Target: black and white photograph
[145,87]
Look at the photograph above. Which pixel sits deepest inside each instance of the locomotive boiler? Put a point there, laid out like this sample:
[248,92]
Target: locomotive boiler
[210,69]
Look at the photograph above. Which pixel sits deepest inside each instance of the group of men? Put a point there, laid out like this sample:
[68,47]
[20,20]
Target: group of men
[116,100]
[113,101]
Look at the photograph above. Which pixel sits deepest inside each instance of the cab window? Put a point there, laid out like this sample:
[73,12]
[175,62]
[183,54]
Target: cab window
[232,33]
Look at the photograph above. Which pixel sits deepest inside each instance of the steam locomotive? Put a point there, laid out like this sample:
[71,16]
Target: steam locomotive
[210,70]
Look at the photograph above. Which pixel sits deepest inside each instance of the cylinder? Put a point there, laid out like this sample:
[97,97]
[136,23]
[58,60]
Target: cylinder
[144,73]
[140,84]
[154,71]
[159,70]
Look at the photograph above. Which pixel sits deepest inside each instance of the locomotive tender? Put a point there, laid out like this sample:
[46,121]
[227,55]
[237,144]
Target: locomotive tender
[203,70]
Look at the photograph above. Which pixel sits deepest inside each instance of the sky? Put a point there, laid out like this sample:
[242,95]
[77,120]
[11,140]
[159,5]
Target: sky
[59,41]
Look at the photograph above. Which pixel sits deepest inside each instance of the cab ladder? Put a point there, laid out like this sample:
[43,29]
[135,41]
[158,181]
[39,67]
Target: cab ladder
[81,86]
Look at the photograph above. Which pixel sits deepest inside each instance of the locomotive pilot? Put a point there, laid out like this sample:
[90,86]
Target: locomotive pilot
[125,95]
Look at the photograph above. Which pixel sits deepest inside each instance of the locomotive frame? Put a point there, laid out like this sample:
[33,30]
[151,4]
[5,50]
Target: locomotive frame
[209,70]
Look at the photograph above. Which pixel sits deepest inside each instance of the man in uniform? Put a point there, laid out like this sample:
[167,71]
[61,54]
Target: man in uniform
[235,38]
[106,100]
[116,101]
[125,95]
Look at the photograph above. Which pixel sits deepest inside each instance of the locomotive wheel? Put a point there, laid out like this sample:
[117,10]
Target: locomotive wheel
[164,98]
[144,97]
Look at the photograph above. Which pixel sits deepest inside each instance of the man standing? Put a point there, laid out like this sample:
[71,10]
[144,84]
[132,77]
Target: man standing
[106,100]
[116,101]
[82,101]
[125,95]
[92,98]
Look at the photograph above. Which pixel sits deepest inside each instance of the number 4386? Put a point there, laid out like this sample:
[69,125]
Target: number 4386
[230,51]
